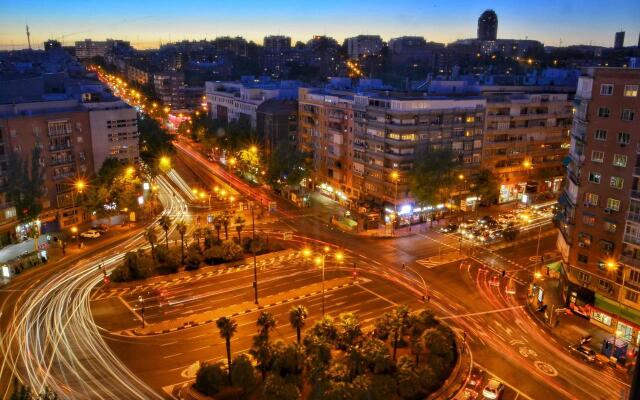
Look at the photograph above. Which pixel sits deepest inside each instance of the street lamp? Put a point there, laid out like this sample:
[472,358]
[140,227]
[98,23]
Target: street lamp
[165,162]
[319,260]
[612,266]
[74,230]
[253,250]
[395,176]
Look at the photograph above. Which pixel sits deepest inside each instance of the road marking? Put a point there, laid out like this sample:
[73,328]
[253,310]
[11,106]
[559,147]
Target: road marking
[505,382]
[173,355]
[168,344]
[376,294]
[130,308]
[482,312]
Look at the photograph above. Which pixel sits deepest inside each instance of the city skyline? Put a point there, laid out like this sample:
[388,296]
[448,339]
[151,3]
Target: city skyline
[146,26]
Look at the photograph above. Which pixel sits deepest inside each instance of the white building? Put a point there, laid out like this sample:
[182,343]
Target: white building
[114,132]
[234,101]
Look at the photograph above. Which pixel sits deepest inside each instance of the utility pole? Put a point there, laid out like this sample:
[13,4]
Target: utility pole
[253,250]
[28,37]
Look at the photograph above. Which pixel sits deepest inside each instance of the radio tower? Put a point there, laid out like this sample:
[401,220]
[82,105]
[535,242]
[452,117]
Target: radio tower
[28,37]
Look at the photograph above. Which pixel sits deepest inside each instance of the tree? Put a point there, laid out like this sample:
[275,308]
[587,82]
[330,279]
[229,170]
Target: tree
[210,378]
[276,388]
[485,185]
[193,260]
[239,224]
[154,142]
[217,224]
[165,224]
[227,327]
[242,374]
[266,323]
[288,361]
[262,352]
[197,234]
[152,238]
[181,227]
[297,318]
[325,329]
[287,165]
[226,219]
[398,325]
[25,183]
[348,330]
[433,176]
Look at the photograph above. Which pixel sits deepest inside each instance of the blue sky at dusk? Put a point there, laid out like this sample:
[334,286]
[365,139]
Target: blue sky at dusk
[146,23]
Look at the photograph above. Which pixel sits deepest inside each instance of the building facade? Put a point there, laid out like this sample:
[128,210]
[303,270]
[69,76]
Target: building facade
[86,49]
[364,45]
[599,223]
[525,142]
[488,25]
[618,42]
[277,121]
[62,131]
[365,145]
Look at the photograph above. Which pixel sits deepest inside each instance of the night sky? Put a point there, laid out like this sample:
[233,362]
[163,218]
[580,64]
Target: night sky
[147,23]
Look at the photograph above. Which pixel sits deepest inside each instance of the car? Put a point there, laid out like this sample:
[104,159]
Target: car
[488,221]
[583,352]
[449,228]
[102,228]
[493,390]
[90,234]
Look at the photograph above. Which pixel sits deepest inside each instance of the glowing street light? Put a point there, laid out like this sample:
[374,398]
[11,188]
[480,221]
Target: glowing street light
[165,162]
[80,185]
[320,260]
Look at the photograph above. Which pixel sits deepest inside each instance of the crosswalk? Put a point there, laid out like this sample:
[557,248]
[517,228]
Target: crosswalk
[102,294]
[435,261]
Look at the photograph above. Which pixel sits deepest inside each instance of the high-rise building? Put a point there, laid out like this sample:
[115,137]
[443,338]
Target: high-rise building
[525,142]
[618,42]
[599,218]
[277,51]
[88,48]
[364,45]
[51,44]
[488,25]
[277,121]
[365,144]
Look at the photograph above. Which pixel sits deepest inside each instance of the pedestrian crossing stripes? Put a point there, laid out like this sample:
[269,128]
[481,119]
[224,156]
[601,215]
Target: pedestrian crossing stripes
[432,262]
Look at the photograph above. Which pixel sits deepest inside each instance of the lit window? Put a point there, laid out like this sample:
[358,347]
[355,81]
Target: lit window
[630,90]
[630,295]
[616,182]
[591,199]
[613,204]
[624,138]
[594,177]
[610,227]
[588,219]
[620,160]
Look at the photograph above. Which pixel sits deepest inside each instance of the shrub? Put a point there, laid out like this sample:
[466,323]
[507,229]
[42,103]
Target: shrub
[120,274]
[192,260]
[211,378]
[231,251]
[213,255]
[242,374]
[276,388]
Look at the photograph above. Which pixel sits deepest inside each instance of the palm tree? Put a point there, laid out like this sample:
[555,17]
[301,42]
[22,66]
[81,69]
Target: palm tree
[181,227]
[227,327]
[226,219]
[217,224]
[151,236]
[165,224]
[197,234]
[398,323]
[298,317]
[239,226]
[266,323]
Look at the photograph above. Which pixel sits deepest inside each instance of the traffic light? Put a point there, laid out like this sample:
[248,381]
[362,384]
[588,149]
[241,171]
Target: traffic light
[105,280]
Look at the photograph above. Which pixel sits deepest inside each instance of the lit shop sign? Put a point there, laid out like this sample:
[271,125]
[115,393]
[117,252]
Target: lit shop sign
[4,271]
[329,189]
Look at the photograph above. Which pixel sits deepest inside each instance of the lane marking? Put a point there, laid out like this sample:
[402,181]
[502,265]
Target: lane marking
[481,312]
[376,294]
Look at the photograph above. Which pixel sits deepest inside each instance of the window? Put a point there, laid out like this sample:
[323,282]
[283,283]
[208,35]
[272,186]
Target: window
[603,112]
[624,138]
[610,226]
[627,115]
[597,156]
[594,177]
[604,285]
[634,276]
[630,90]
[606,89]
[602,318]
[619,160]
[616,182]
[591,199]
[583,258]
[601,134]
[588,219]
[630,294]
[613,204]
[606,245]
[584,239]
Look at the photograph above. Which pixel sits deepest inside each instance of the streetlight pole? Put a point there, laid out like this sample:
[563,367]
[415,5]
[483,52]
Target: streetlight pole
[323,260]
[253,248]
[538,247]
[394,176]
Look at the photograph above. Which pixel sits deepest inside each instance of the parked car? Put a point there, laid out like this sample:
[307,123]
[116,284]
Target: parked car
[583,352]
[493,390]
[102,228]
[90,234]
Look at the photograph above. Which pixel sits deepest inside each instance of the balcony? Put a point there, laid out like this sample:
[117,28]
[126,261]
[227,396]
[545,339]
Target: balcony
[629,260]
[636,171]
[633,216]
[60,147]
[635,194]
[631,239]
[63,176]
[62,161]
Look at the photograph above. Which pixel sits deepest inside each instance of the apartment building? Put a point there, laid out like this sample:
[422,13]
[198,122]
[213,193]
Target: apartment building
[86,49]
[526,141]
[62,130]
[599,222]
[277,121]
[364,45]
[364,145]
[234,101]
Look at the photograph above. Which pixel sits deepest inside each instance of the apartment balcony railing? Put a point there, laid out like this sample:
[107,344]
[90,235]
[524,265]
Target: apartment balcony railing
[631,239]
[633,216]
[60,147]
[635,194]
[630,260]
[636,171]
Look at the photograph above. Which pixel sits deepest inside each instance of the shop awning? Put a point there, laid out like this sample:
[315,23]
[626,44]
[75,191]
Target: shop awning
[612,307]
[555,266]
